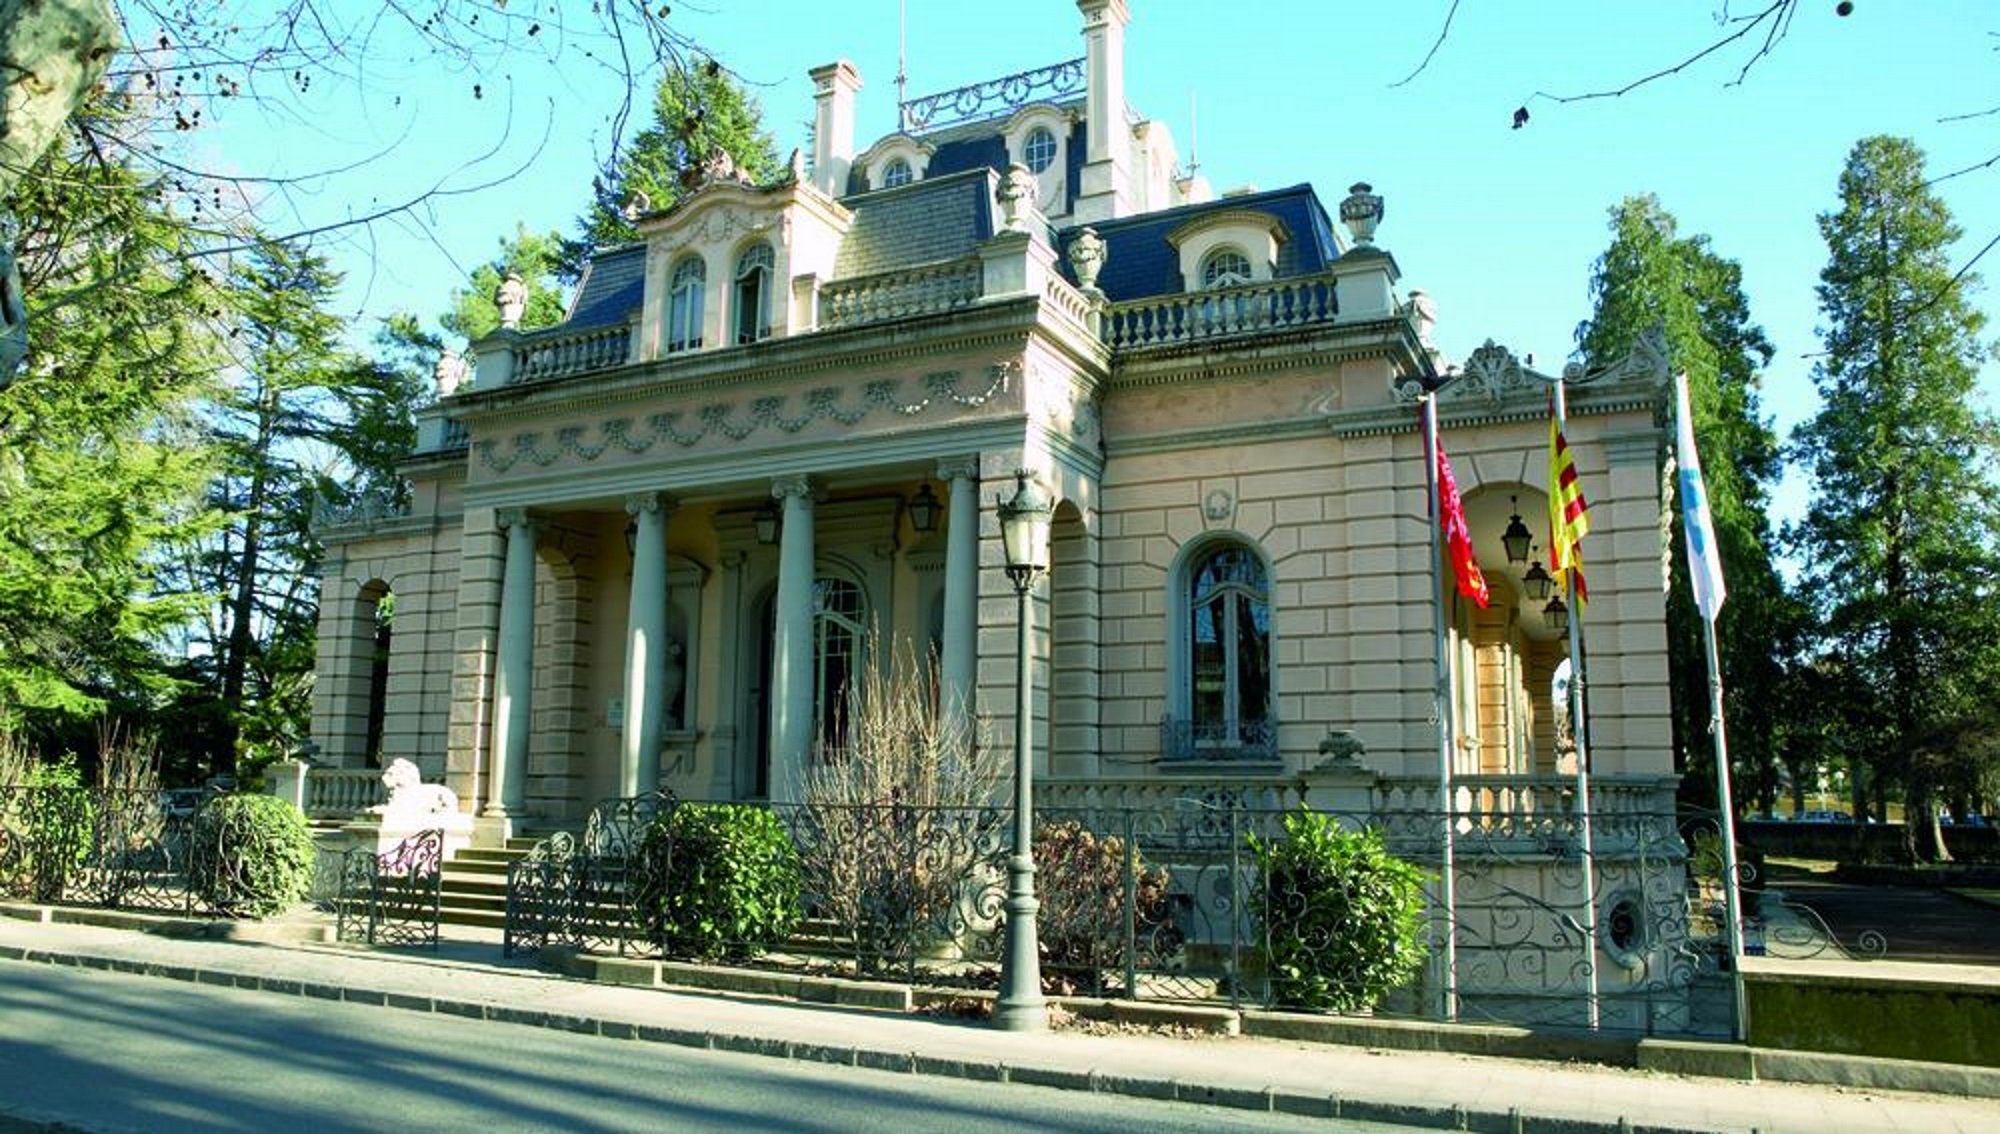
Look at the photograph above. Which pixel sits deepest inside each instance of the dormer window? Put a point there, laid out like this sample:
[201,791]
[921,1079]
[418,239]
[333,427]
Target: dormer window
[1039,151]
[1225,267]
[753,294]
[689,278]
[898,173]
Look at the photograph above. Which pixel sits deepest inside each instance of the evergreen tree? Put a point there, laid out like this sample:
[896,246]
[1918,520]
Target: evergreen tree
[695,111]
[304,427]
[101,463]
[534,257]
[1899,543]
[1651,275]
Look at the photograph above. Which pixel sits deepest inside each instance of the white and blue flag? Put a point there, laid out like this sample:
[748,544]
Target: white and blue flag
[1704,558]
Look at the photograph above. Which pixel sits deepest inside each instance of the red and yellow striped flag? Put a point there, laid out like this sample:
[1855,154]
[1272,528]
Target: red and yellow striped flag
[1569,515]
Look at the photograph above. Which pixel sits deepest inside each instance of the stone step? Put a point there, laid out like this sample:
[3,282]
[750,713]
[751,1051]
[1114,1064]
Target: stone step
[468,882]
[477,919]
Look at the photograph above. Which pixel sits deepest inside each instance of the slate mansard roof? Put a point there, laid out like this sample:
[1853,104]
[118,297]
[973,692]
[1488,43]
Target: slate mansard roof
[946,214]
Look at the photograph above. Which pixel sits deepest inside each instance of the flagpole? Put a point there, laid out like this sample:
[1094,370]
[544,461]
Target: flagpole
[1726,801]
[1579,733]
[1705,579]
[1442,711]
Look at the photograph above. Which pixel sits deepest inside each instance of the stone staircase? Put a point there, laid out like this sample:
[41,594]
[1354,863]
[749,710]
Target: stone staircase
[474,886]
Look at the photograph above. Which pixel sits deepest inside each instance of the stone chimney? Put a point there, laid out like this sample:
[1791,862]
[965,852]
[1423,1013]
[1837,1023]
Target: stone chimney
[1106,190]
[833,125]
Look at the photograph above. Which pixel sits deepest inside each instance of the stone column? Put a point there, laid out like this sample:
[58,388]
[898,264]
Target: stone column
[645,647]
[958,667]
[513,690]
[792,647]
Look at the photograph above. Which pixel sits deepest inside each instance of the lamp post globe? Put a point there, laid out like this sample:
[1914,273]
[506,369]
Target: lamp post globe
[1024,530]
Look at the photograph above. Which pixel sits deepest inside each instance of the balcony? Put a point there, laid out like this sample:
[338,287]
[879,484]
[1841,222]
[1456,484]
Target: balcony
[1218,741]
[927,289]
[1259,308]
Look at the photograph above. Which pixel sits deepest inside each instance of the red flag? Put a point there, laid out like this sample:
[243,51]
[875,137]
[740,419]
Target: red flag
[1457,536]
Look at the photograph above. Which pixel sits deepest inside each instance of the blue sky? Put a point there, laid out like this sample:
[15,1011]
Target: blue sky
[1499,225]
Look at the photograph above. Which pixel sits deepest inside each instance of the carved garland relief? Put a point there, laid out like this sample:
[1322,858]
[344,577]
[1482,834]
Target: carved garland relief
[719,419]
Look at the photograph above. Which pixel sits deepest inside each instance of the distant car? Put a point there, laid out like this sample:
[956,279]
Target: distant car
[1826,817]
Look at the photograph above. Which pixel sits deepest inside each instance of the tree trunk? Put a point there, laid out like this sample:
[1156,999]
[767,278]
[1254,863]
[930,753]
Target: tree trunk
[242,606]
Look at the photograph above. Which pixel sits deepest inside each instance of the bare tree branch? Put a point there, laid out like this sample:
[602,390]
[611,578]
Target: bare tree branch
[1450,15]
[1777,15]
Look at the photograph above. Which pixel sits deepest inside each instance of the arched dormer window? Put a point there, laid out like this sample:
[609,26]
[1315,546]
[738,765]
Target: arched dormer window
[684,301]
[897,173]
[753,294]
[1225,693]
[1225,267]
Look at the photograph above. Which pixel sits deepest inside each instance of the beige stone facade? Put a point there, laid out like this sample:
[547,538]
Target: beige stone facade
[906,334]
[754,412]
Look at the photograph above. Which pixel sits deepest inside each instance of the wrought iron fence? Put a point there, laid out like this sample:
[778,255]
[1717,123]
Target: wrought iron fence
[119,849]
[1169,903]
[391,897]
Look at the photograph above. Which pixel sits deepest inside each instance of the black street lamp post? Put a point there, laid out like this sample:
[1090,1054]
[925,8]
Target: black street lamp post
[1024,530]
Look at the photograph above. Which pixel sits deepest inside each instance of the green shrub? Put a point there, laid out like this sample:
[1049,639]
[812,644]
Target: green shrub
[718,881]
[47,825]
[1342,919]
[250,855]
[1080,882]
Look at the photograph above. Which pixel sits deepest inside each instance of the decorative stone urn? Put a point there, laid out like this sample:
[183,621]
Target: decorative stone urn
[1086,257]
[1361,211]
[1017,198]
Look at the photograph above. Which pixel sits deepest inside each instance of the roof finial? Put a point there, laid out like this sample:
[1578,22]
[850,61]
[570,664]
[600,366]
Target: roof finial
[1194,133]
[902,72]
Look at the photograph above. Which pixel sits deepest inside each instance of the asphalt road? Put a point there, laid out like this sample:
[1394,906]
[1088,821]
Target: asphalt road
[107,1052]
[1916,924]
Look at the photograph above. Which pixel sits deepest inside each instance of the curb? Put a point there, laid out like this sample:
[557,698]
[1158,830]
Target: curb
[170,925]
[1268,1100]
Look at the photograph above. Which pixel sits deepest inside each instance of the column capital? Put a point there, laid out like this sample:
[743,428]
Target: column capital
[787,487]
[638,502]
[516,518]
[958,468]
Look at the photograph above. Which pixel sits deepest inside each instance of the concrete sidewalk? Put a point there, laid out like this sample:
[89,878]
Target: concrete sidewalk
[1418,1088]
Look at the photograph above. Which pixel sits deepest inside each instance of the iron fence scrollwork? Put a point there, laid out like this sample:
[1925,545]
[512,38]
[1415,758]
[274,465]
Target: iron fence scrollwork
[392,897]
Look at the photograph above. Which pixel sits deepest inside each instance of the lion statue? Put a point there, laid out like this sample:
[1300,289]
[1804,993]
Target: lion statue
[410,795]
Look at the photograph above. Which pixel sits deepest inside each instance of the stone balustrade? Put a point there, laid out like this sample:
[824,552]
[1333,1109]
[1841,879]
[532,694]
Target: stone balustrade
[927,289]
[1165,793]
[342,793]
[1071,302]
[558,352]
[1256,308]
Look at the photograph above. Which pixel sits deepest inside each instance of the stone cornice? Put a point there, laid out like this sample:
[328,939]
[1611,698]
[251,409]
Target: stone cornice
[720,421]
[699,476]
[1402,417]
[383,529]
[999,326]
[1214,436]
[1323,345]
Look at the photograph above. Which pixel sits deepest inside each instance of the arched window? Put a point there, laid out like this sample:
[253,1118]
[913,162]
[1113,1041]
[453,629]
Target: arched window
[898,173]
[684,304]
[1039,151]
[838,648]
[1225,267]
[753,294]
[1226,603]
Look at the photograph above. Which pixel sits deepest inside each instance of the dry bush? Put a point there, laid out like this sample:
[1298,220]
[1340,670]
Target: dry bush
[899,830]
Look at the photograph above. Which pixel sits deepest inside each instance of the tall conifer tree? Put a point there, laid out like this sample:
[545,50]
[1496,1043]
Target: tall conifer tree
[1651,275]
[1899,544]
